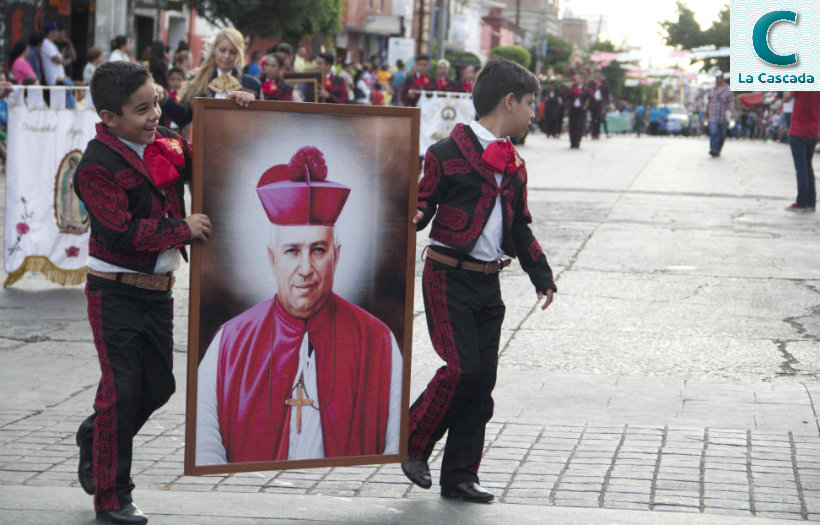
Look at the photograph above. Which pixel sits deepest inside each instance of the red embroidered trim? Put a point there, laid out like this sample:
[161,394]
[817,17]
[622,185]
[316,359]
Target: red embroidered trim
[104,200]
[104,452]
[451,217]
[535,250]
[97,249]
[467,148]
[108,138]
[147,239]
[128,178]
[527,213]
[462,238]
[456,166]
[427,416]
[432,176]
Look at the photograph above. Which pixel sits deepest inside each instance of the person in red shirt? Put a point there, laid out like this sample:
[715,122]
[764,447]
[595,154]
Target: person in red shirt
[443,81]
[274,86]
[803,132]
[416,82]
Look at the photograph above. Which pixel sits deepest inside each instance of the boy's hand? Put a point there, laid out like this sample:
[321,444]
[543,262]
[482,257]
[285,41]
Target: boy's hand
[200,226]
[419,216]
[548,294]
[242,98]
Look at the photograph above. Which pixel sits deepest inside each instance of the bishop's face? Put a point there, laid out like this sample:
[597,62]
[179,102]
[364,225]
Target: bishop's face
[303,259]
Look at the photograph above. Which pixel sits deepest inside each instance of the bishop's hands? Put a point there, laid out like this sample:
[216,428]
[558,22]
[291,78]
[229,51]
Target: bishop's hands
[200,226]
[548,294]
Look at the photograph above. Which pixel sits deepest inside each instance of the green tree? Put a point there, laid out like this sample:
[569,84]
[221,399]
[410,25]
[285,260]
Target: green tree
[558,53]
[514,53]
[686,33]
[290,20]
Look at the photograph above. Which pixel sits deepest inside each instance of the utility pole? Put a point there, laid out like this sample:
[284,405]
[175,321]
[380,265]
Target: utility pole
[443,15]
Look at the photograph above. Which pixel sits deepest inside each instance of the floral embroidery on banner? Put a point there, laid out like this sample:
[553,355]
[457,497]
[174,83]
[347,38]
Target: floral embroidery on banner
[72,251]
[22,227]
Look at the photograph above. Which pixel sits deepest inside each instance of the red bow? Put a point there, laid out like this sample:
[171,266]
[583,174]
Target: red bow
[500,156]
[269,88]
[162,158]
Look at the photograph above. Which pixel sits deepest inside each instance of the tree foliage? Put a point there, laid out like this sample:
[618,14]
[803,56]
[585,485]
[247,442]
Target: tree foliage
[686,33]
[514,53]
[558,53]
[290,20]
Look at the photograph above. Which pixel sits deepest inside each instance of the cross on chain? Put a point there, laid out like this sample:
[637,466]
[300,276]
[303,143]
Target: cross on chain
[299,402]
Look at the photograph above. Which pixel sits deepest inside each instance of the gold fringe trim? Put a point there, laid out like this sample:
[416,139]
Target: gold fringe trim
[38,263]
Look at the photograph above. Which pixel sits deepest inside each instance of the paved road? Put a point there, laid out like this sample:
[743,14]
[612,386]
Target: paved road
[675,372]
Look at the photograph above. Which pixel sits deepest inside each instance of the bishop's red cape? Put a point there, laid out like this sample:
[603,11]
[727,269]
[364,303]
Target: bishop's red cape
[258,362]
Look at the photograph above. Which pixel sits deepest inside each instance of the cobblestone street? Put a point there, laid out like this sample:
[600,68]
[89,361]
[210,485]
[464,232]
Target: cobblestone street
[676,372]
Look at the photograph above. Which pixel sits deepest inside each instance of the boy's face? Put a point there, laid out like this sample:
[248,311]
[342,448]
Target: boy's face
[271,68]
[140,116]
[175,81]
[422,66]
[521,114]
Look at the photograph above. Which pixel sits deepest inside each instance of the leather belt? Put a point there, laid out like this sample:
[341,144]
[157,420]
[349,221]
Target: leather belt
[145,281]
[485,268]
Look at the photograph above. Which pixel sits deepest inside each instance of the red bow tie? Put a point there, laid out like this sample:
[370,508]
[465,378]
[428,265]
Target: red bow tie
[501,157]
[162,158]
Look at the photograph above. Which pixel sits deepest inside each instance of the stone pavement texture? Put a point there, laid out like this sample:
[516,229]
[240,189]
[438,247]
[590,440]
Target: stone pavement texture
[674,380]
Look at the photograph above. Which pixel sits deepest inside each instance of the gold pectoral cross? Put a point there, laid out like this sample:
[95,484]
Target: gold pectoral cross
[299,402]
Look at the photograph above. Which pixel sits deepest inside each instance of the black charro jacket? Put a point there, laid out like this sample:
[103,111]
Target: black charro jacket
[129,226]
[459,191]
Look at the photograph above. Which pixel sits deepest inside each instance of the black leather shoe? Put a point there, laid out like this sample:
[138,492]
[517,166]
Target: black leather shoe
[128,515]
[418,472]
[85,471]
[467,491]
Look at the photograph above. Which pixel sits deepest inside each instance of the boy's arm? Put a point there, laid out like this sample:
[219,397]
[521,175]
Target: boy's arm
[527,248]
[431,190]
[107,205]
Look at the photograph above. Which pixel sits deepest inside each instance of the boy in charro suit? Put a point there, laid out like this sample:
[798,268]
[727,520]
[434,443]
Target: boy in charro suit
[474,189]
[130,179]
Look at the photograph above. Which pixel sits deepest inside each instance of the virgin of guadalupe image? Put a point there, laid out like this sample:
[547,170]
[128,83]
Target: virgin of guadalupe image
[69,211]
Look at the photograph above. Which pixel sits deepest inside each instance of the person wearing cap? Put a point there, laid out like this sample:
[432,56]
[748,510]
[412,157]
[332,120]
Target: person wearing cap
[305,374]
[721,101]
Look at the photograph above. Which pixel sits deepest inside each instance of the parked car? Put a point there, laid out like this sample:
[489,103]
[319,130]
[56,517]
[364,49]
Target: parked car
[678,121]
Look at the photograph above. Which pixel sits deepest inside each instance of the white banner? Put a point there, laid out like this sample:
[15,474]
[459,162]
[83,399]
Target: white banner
[440,111]
[46,224]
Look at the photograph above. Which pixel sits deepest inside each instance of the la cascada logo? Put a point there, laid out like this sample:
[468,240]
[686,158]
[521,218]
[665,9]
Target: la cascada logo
[773,45]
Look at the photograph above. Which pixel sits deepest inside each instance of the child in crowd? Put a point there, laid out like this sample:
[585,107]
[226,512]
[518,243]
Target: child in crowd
[95,57]
[474,189]
[131,181]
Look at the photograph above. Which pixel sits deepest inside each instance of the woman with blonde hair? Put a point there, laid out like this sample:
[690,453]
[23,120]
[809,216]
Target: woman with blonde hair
[219,76]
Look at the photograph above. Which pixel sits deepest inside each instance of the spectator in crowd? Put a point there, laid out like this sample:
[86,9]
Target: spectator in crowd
[20,68]
[302,62]
[638,119]
[334,88]
[184,60]
[274,86]
[347,74]
[254,69]
[35,44]
[52,61]
[120,49]
[66,48]
[721,101]
[219,75]
[397,81]
[803,130]
[465,85]
[383,73]
[361,89]
[654,120]
[287,52]
[416,82]
[182,45]
[95,57]
[158,63]
[443,81]
[175,77]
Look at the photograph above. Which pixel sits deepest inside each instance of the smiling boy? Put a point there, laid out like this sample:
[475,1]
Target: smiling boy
[130,179]
[474,189]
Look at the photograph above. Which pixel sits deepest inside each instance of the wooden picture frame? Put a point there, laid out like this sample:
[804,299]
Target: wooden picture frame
[371,150]
[308,84]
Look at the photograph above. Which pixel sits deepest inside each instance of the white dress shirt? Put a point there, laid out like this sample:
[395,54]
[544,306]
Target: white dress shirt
[488,246]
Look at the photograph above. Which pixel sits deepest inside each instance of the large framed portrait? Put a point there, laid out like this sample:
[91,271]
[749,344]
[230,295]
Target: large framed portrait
[306,86]
[301,301]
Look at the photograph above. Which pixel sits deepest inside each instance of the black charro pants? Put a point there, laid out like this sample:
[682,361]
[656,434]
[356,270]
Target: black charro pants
[577,121]
[133,334]
[464,315]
